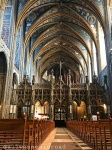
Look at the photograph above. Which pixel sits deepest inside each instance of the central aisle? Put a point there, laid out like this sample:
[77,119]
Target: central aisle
[63,139]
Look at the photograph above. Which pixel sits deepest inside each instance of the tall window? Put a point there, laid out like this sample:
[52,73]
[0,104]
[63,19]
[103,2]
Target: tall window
[7,25]
[18,50]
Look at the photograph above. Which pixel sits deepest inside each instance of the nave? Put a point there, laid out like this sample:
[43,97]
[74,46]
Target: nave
[63,139]
[55,69]
[55,58]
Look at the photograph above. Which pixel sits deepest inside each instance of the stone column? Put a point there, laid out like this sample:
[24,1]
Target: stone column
[108,41]
[22,57]
[98,52]
[88,103]
[69,107]
[9,77]
[92,73]
[2,9]
[33,98]
[52,101]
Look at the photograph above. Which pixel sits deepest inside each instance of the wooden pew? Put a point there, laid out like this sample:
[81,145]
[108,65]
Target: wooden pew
[16,133]
[97,134]
[105,134]
[101,135]
[23,134]
[42,128]
[89,133]
[29,134]
[12,133]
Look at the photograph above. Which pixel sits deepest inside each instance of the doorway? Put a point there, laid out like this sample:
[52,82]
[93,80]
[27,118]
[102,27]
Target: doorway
[24,109]
[60,116]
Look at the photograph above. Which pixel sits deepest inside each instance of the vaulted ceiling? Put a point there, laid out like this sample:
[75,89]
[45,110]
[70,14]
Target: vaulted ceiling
[61,30]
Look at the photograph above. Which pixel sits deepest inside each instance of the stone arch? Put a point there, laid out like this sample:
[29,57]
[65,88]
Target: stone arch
[19,109]
[23,109]
[81,110]
[46,107]
[93,107]
[38,109]
[75,105]
[97,108]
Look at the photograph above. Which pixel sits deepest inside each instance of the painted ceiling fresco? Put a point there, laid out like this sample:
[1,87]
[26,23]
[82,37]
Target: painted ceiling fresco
[61,30]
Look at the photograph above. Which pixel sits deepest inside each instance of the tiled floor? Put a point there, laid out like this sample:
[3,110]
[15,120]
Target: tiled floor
[63,139]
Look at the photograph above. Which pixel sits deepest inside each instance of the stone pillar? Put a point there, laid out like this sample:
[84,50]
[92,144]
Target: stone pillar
[69,107]
[33,98]
[108,41]
[52,101]
[88,104]
[92,73]
[98,52]
[2,9]
[22,57]
[10,69]
[90,70]
[95,59]
[39,70]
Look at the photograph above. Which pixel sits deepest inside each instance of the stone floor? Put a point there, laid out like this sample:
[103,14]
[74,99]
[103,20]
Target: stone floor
[63,139]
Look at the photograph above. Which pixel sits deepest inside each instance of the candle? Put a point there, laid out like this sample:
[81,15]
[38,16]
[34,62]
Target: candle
[11,108]
[105,108]
[32,109]
[14,109]
[70,108]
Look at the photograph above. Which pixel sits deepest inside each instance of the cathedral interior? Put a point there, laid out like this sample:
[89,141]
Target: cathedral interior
[55,59]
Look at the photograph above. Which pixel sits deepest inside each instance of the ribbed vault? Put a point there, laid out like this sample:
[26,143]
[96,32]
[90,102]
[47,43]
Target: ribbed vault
[61,30]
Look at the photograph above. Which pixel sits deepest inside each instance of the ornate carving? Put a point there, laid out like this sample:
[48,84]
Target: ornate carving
[24,90]
[61,96]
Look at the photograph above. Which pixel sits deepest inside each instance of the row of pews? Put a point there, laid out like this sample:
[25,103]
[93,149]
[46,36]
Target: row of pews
[97,134]
[24,134]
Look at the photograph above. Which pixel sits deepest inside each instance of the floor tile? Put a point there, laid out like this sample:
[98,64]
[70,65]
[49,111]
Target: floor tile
[63,139]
